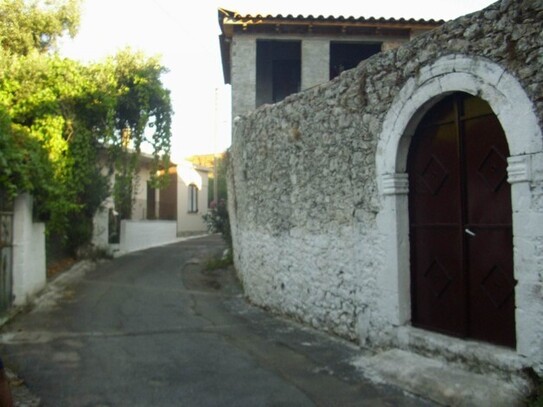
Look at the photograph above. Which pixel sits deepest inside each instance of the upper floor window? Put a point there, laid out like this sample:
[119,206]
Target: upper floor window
[278,70]
[193,198]
[347,55]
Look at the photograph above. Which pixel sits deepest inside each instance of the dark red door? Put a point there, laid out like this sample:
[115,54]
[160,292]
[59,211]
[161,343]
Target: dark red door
[460,223]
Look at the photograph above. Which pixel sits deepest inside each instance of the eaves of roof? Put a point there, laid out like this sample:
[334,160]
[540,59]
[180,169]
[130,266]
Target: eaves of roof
[232,23]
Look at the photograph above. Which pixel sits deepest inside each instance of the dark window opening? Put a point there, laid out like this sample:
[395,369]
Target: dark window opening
[167,203]
[278,70]
[151,201]
[114,227]
[193,198]
[286,78]
[347,55]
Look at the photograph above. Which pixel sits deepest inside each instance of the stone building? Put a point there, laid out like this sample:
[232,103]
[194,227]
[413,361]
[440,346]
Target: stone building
[401,204]
[266,58]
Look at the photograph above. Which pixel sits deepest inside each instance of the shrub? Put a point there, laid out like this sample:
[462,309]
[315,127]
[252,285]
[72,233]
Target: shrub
[217,221]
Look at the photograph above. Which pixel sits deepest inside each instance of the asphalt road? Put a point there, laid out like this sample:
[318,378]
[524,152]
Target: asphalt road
[154,328]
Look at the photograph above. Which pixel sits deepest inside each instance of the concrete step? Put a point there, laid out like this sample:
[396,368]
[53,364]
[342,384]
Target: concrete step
[441,381]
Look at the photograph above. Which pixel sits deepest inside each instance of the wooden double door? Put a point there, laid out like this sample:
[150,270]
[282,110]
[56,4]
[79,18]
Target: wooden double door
[462,279]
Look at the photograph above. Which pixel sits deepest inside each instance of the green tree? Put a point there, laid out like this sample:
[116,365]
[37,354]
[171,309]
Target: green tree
[24,164]
[62,121]
[217,218]
[142,116]
[220,178]
[36,25]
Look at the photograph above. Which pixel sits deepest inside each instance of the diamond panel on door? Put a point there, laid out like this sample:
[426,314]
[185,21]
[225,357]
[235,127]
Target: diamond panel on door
[434,175]
[437,278]
[498,286]
[488,213]
[493,169]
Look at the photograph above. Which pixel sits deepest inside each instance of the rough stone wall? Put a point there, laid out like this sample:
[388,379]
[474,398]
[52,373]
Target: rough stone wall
[304,196]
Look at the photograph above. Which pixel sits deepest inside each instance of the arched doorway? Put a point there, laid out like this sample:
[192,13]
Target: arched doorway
[460,223]
[517,116]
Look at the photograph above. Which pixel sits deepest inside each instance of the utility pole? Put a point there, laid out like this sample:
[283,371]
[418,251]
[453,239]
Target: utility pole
[215,131]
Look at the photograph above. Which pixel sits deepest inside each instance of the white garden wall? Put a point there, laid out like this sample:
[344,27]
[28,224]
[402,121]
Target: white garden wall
[139,235]
[29,270]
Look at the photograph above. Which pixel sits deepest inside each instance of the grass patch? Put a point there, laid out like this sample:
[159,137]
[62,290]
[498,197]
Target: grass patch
[222,262]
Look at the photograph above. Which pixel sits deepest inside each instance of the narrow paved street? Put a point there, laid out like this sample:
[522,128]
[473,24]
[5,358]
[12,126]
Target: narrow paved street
[154,328]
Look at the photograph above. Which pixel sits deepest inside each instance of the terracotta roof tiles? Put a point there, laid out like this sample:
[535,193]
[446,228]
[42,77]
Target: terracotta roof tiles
[235,16]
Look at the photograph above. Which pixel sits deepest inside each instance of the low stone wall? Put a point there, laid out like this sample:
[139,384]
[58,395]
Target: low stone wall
[309,188]
[139,235]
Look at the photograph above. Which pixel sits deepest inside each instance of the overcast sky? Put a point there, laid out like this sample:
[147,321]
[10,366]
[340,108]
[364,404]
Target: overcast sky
[185,34]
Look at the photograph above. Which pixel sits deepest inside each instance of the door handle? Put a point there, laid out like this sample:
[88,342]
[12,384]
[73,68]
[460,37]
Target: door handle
[469,232]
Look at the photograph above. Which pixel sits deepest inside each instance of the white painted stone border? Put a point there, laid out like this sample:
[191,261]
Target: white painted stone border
[29,266]
[144,234]
[516,113]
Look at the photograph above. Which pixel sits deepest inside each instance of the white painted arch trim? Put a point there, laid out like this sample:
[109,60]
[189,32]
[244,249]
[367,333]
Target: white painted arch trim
[458,73]
[515,111]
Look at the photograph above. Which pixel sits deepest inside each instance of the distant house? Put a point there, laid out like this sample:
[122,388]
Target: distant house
[164,214]
[184,200]
[267,58]
[215,163]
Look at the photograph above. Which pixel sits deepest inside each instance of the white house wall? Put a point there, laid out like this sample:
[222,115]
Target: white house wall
[188,222]
[318,191]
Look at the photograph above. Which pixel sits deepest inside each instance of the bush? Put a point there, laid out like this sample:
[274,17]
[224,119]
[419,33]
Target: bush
[217,221]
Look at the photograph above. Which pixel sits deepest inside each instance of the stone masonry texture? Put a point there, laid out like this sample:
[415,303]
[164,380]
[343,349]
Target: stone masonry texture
[304,198]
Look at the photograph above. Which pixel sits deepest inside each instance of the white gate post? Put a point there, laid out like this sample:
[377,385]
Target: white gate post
[29,270]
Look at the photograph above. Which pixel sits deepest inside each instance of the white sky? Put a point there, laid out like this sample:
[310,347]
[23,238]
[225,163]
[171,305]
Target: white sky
[186,33]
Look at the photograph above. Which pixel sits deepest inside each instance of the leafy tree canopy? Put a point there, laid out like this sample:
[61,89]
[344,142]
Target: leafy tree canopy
[62,122]
[27,25]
